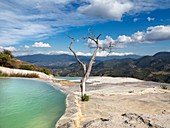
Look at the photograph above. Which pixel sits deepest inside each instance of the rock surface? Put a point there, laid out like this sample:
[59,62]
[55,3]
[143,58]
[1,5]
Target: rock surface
[24,72]
[72,116]
[124,103]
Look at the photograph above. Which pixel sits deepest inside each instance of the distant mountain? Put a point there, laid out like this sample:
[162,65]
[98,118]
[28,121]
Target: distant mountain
[48,60]
[64,59]
[154,68]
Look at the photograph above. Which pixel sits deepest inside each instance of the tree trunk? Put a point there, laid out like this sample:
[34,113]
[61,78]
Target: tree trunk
[88,70]
[83,83]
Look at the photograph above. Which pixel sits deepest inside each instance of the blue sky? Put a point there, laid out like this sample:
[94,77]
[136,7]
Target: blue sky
[40,26]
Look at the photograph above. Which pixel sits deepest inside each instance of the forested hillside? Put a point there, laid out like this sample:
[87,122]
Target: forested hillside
[7,60]
[154,68]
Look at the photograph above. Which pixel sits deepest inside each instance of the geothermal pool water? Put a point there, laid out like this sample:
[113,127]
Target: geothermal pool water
[29,104]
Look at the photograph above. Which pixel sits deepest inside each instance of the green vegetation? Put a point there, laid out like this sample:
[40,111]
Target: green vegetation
[7,52]
[26,67]
[85,98]
[45,70]
[33,75]
[3,74]
[7,60]
[31,67]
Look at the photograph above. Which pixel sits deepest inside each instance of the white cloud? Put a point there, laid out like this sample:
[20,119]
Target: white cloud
[134,38]
[148,5]
[83,54]
[35,19]
[10,48]
[102,43]
[104,53]
[158,33]
[26,46]
[116,9]
[151,35]
[150,19]
[99,53]
[121,54]
[124,39]
[105,43]
[58,52]
[138,36]
[41,45]
[110,9]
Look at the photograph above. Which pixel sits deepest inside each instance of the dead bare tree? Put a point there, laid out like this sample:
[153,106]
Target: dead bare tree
[86,69]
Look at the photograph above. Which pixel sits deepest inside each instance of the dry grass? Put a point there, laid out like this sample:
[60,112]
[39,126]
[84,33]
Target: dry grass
[32,75]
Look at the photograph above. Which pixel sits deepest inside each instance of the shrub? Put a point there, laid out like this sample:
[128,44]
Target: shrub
[26,67]
[163,86]
[46,71]
[4,59]
[33,75]
[84,97]
[3,74]
[7,52]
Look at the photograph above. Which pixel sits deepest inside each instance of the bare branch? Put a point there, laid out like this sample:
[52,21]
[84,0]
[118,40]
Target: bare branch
[93,39]
[110,47]
[98,36]
[70,37]
[91,62]
[93,56]
[80,62]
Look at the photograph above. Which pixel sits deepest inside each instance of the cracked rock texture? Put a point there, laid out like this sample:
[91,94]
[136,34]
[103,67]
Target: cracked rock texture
[120,103]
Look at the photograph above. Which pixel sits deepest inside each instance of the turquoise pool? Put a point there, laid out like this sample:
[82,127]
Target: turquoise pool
[29,104]
[68,78]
